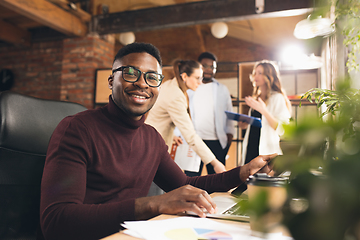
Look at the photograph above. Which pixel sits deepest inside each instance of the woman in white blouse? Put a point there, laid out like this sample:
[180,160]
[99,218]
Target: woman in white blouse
[270,103]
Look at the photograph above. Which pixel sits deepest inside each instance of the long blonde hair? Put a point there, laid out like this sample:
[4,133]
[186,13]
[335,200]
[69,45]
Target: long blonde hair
[272,79]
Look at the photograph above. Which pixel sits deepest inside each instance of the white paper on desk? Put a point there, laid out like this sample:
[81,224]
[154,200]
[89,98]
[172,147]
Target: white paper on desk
[188,228]
[186,158]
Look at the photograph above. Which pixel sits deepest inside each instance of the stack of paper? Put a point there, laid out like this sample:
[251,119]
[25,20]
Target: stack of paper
[189,228]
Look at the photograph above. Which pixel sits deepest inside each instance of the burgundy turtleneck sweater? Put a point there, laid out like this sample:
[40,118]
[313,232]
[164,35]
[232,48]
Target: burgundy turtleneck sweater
[98,162]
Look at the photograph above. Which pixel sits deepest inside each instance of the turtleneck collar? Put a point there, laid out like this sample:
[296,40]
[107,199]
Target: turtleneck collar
[118,115]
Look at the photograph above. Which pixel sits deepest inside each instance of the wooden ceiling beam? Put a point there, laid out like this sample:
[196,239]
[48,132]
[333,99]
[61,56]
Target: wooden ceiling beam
[64,4]
[14,34]
[181,15]
[49,15]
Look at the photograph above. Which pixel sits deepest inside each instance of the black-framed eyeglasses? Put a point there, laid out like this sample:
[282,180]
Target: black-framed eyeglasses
[132,74]
[209,66]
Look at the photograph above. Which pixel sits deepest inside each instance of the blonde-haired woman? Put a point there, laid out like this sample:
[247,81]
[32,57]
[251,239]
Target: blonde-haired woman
[171,109]
[270,103]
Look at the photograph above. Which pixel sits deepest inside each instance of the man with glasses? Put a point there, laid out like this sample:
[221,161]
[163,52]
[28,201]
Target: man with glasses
[100,163]
[207,108]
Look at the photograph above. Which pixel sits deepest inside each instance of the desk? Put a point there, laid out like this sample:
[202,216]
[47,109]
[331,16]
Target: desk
[123,236]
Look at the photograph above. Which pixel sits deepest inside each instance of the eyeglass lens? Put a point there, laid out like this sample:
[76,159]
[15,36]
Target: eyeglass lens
[132,75]
[208,66]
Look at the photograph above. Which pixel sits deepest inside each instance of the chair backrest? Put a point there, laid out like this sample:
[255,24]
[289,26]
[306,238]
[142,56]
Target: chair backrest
[27,124]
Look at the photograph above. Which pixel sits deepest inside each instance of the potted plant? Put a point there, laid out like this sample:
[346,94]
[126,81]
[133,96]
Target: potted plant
[323,152]
[324,191]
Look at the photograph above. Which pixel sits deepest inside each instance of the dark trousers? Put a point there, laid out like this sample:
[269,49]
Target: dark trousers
[219,153]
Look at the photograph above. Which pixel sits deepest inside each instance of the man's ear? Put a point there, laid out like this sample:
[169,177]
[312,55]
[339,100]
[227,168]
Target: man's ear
[110,81]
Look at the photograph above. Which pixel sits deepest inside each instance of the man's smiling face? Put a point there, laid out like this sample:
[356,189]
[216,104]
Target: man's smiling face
[134,98]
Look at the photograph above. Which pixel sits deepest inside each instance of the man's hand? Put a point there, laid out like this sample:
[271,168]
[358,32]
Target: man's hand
[260,162]
[185,198]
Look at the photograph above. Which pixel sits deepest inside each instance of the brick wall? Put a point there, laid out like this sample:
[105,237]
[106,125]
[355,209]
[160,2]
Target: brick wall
[81,57]
[65,69]
[59,70]
[37,69]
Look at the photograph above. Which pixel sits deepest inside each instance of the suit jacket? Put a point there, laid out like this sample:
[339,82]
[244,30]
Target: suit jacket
[170,110]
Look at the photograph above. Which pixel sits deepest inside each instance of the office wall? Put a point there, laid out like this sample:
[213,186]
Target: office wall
[37,69]
[59,69]
[65,69]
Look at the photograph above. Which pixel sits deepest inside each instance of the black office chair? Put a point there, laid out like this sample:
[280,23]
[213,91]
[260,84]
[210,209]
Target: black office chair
[26,126]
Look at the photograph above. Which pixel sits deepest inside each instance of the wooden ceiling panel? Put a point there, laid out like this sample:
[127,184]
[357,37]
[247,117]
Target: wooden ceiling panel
[188,14]
[14,34]
[34,13]
[270,32]
[273,27]
[7,13]
[23,22]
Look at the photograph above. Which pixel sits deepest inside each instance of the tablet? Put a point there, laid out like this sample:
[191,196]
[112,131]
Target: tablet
[244,118]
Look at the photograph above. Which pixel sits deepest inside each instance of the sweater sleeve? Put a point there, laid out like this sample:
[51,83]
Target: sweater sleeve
[181,119]
[63,213]
[170,177]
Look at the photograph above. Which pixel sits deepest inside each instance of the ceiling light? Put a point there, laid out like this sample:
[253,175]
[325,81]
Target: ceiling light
[310,28]
[293,57]
[302,62]
[219,29]
[126,38]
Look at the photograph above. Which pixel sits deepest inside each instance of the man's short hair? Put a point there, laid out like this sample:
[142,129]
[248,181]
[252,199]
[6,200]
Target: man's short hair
[139,48]
[207,55]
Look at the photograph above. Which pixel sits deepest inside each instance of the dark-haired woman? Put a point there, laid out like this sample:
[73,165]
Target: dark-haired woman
[171,109]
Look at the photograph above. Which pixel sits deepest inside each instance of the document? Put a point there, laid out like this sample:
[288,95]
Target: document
[181,228]
[190,228]
[185,157]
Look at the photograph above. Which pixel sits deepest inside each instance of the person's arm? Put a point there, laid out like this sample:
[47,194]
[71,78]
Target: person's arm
[185,198]
[177,140]
[180,117]
[260,162]
[260,106]
[192,197]
[279,108]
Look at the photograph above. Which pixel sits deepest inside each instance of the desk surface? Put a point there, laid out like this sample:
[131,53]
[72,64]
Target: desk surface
[123,236]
